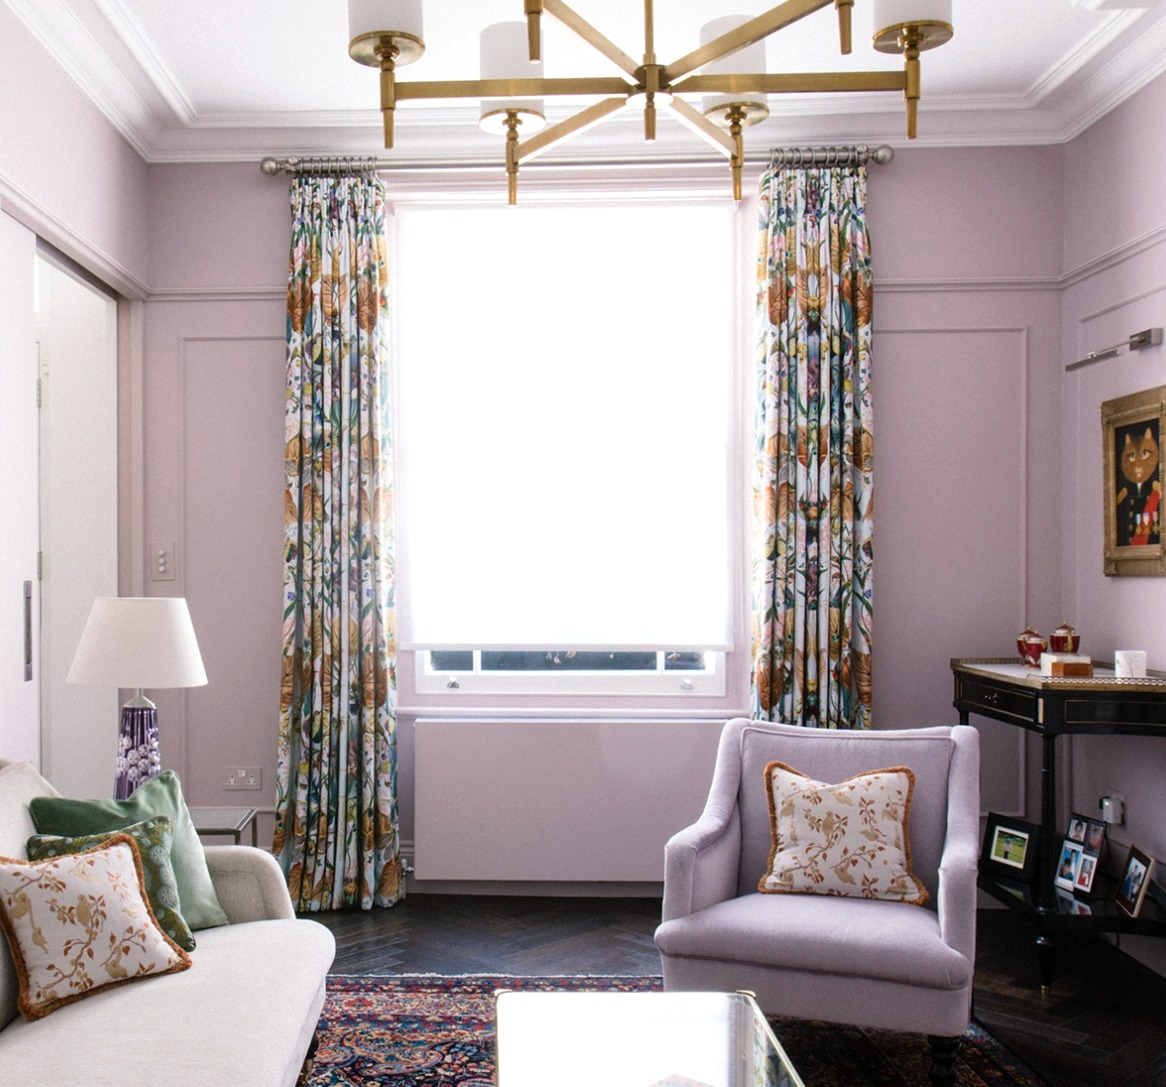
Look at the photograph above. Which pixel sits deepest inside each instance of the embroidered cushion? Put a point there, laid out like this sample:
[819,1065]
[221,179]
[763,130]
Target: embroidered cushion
[161,795]
[153,838]
[845,839]
[81,923]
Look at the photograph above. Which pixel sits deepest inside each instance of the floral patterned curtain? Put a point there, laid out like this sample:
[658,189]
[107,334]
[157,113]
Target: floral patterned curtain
[336,831]
[814,447]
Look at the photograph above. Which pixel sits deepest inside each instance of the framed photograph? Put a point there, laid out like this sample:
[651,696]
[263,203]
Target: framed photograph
[1133,429]
[1094,837]
[1078,826]
[1086,870]
[1135,878]
[1010,847]
[1068,864]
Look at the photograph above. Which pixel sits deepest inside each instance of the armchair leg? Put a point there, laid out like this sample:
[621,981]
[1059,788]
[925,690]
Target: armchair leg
[309,1059]
[943,1051]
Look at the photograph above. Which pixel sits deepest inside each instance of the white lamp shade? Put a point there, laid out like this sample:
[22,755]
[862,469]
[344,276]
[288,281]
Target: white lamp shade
[892,13]
[505,54]
[378,16]
[138,641]
[750,60]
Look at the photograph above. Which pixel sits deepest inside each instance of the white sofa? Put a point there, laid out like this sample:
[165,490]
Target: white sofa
[245,1013]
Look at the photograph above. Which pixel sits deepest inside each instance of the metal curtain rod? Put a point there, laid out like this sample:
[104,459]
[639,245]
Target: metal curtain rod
[326,165]
[858,155]
[320,166]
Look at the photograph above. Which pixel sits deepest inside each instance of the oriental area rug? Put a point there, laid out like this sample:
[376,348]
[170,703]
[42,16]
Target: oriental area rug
[425,1030]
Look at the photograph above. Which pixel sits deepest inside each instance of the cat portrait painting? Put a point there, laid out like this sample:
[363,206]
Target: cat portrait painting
[1133,431]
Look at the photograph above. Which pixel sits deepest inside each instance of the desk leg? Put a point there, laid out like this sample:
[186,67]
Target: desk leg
[1046,951]
[1048,817]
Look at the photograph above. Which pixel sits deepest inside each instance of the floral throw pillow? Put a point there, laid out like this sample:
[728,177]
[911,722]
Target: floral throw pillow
[81,923]
[154,838]
[848,838]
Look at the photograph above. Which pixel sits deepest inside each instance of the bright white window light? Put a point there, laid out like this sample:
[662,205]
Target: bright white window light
[561,426]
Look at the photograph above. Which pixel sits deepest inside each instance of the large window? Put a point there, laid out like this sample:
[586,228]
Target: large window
[564,395]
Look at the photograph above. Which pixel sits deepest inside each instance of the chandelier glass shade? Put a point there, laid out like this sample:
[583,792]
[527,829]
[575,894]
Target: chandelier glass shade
[726,72]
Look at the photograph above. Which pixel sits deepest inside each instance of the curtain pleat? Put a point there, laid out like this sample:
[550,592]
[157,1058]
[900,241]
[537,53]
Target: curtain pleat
[812,548]
[336,832]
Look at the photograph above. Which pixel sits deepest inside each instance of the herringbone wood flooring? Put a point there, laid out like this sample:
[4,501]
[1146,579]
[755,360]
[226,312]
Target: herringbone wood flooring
[1103,1025]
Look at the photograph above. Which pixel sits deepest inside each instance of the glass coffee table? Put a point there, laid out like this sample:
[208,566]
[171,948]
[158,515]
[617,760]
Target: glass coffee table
[637,1040]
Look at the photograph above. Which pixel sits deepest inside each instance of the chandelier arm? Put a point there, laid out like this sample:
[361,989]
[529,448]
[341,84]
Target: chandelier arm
[746,34]
[699,124]
[845,38]
[572,126]
[571,19]
[534,11]
[513,88]
[796,83]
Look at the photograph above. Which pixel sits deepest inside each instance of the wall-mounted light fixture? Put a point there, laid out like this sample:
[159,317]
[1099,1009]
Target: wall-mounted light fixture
[1148,337]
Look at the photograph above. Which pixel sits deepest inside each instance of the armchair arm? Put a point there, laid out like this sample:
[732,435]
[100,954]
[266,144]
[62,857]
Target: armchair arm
[249,883]
[961,850]
[700,864]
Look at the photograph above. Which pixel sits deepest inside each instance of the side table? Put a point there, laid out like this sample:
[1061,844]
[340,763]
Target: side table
[1004,690]
[229,821]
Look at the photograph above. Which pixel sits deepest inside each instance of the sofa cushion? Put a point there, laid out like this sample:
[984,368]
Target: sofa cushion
[243,1014]
[848,838]
[154,838]
[79,923]
[851,937]
[161,795]
[19,783]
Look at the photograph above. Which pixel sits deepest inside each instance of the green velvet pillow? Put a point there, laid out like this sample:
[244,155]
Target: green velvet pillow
[161,795]
[154,839]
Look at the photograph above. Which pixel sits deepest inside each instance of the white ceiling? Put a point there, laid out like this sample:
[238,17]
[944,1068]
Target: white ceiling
[226,80]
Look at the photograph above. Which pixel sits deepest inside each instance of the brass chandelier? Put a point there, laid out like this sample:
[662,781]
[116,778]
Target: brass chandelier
[387,34]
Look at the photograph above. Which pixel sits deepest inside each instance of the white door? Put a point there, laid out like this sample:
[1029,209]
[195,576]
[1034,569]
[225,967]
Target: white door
[77,335]
[19,737]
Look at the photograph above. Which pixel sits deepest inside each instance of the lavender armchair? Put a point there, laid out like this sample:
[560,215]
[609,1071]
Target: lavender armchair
[844,960]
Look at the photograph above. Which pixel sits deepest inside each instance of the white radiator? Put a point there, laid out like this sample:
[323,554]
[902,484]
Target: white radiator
[555,800]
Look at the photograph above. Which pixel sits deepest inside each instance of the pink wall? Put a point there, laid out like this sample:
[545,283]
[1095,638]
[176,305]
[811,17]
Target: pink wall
[64,164]
[1115,247]
[967,250]
[214,395]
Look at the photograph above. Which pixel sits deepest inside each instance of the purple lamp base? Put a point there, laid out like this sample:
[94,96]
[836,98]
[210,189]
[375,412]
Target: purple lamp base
[138,758]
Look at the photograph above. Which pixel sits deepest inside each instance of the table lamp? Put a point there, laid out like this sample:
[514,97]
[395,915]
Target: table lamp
[136,642]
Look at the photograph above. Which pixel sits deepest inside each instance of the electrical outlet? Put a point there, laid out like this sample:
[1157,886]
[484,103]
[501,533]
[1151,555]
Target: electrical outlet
[243,777]
[1113,808]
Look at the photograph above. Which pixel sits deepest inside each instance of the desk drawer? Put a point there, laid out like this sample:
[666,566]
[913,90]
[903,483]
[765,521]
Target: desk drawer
[1003,703]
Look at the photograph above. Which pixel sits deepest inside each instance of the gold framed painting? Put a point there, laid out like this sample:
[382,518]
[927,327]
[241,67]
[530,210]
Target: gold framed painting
[1133,430]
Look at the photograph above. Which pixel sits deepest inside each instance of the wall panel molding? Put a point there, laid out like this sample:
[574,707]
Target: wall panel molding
[958,285]
[1118,255]
[1007,744]
[25,209]
[219,294]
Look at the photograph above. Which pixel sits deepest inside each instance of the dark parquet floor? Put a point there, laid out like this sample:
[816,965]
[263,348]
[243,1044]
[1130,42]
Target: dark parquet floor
[1103,1025]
